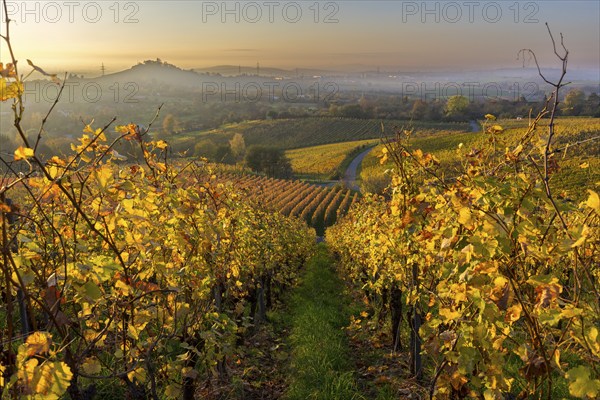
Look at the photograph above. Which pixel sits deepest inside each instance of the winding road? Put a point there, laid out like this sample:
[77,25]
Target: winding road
[350,175]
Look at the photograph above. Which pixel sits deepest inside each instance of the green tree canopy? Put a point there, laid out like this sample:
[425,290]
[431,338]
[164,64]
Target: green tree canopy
[170,125]
[238,147]
[457,107]
[574,102]
[268,160]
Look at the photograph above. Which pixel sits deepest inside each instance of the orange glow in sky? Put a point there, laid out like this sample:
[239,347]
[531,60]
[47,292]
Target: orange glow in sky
[80,35]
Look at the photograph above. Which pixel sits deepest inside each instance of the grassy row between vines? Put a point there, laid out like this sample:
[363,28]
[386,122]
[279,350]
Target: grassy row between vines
[321,367]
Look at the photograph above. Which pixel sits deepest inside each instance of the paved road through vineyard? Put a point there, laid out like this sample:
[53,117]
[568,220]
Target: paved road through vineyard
[350,174]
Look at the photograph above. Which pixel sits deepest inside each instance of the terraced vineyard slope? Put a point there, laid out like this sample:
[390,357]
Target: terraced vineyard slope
[318,206]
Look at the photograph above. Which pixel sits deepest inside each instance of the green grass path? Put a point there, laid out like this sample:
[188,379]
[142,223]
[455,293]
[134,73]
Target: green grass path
[320,365]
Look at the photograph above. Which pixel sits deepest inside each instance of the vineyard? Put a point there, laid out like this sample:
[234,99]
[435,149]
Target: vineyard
[307,132]
[485,278]
[318,206]
[474,274]
[140,280]
[327,161]
[579,167]
[135,274]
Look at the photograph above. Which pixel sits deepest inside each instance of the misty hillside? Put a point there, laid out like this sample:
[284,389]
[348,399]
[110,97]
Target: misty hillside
[235,70]
[161,72]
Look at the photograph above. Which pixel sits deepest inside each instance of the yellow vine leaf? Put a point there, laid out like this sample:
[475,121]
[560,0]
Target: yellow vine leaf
[556,359]
[134,332]
[99,132]
[464,216]
[104,176]
[172,391]
[53,380]
[448,314]
[130,131]
[26,374]
[23,153]
[5,208]
[580,383]
[123,288]
[585,231]
[161,167]
[49,380]
[138,374]
[518,150]
[38,343]
[92,366]
[10,90]
[593,201]
[384,156]
[593,340]
[513,313]
[9,71]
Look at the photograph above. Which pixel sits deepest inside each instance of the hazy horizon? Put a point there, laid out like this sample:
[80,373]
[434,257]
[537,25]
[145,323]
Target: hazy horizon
[80,36]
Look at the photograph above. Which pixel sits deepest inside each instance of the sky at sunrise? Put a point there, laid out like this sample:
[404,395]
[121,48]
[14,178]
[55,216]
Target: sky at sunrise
[409,35]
